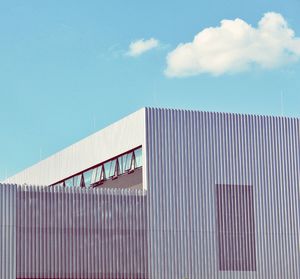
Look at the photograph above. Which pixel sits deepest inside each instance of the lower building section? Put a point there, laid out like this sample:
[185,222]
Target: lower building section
[77,233]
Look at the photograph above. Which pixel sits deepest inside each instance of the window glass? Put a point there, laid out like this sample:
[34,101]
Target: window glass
[107,169]
[128,161]
[112,168]
[122,163]
[138,157]
[69,182]
[87,178]
[94,175]
[98,174]
[77,180]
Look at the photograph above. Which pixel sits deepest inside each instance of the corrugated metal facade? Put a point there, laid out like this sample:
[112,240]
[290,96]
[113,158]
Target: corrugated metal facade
[73,233]
[188,154]
[217,185]
[8,195]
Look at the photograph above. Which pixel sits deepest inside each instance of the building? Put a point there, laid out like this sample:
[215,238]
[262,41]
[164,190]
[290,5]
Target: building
[161,194]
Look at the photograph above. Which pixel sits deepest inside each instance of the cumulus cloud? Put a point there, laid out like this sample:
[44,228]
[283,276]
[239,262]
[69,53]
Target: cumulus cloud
[141,46]
[236,46]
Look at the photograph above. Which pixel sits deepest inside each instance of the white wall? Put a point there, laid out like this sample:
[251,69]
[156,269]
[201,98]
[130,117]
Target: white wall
[191,152]
[113,140]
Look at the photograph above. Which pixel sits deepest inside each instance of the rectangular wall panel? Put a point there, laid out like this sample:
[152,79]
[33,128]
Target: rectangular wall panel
[235,228]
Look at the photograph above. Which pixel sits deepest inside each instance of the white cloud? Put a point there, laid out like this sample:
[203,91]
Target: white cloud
[138,47]
[236,46]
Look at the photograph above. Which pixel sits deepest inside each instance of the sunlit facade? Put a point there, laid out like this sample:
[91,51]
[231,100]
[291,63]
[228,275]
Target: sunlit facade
[160,194]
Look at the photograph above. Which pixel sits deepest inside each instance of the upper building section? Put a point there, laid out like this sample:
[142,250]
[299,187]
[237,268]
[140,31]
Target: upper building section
[104,151]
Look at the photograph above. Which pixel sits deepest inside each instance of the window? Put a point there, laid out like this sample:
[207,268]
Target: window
[235,228]
[111,169]
[77,180]
[107,169]
[122,163]
[94,175]
[87,178]
[129,160]
[97,175]
[138,157]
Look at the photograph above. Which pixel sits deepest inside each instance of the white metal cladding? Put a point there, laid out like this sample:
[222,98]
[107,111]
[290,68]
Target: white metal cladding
[188,154]
[124,135]
[8,196]
[73,233]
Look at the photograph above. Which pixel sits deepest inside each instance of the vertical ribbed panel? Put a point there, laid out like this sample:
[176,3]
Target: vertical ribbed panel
[77,233]
[8,232]
[72,233]
[188,154]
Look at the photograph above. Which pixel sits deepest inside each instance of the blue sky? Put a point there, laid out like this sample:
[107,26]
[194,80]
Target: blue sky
[66,71]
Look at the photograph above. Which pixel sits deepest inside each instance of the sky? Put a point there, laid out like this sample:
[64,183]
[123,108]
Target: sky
[70,68]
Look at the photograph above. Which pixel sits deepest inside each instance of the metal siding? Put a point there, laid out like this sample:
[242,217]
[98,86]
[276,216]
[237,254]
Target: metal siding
[7,232]
[188,153]
[170,230]
[72,233]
